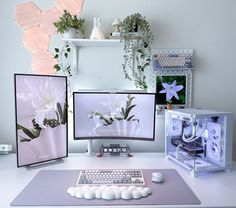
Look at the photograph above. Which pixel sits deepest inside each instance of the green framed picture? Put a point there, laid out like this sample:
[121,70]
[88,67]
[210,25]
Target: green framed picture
[171,89]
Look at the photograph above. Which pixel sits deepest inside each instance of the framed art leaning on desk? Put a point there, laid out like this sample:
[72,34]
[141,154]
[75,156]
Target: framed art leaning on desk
[41,118]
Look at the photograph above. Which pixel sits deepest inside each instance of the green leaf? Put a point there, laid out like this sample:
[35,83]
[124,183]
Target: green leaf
[128,111]
[25,140]
[26,131]
[59,109]
[128,103]
[57,67]
[66,55]
[56,56]
[57,50]
[128,119]
[122,111]
[68,49]
[64,120]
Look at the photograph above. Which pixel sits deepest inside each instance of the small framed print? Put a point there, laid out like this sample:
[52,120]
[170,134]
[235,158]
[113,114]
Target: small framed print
[171,89]
[172,86]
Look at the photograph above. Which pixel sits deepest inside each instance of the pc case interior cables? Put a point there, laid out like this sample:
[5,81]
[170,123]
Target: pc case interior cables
[193,131]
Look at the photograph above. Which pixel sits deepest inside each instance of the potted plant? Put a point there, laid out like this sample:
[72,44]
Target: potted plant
[137,37]
[70,25]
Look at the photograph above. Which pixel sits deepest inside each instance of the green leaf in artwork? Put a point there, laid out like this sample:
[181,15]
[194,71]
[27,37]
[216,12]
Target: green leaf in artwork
[128,119]
[123,111]
[26,131]
[128,110]
[64,118]
[59,109]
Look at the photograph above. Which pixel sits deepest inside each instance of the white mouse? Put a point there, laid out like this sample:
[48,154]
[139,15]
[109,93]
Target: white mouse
[157,177]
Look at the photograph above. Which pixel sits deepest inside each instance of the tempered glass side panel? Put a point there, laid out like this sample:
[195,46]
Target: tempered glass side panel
[197,142]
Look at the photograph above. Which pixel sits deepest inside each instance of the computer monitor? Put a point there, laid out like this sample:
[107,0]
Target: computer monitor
[114,115]
[41,118]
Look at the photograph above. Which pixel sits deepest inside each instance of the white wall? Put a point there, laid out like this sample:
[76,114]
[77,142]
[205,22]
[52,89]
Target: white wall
[207,26]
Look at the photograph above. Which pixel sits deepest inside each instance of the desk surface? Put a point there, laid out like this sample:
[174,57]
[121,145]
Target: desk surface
[214,190]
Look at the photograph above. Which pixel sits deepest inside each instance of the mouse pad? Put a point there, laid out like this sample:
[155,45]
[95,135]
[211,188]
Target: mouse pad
[48,188]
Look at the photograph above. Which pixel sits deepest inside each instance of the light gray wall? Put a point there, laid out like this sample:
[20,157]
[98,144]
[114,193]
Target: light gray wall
[207,26]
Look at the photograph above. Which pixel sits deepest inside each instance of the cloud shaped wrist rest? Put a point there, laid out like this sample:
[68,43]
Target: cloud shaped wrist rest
[109,192]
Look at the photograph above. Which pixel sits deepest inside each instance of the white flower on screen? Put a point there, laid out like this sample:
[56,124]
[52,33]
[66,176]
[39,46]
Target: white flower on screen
[114,104]
[45,94]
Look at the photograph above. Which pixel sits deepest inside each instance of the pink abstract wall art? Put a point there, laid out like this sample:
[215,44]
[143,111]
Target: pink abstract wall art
[38,28]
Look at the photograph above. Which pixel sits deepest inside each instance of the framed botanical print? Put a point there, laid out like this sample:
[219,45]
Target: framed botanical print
[171,89]
[41,118]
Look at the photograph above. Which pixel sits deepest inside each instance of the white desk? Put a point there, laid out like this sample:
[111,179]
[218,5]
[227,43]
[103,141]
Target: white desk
[213,190]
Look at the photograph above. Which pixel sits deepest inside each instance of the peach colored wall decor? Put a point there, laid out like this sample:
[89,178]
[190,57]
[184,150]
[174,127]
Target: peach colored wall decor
[38,28]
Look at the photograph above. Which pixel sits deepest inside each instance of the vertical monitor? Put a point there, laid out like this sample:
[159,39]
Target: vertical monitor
[41,118]
[114,115]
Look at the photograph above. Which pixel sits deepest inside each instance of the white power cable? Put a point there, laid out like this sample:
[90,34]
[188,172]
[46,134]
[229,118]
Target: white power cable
[194,133]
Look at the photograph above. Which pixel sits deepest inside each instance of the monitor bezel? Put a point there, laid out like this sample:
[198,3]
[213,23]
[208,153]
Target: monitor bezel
[114,137]
[15,92]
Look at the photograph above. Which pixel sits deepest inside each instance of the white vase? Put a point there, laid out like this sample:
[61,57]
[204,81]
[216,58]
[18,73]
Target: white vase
[97,32]
[70,33]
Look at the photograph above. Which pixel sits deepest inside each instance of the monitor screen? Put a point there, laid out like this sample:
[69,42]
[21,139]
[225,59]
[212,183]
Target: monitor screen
[41,118]
[114,115]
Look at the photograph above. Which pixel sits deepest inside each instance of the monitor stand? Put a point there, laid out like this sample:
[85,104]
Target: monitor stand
[44,164]
[90,148]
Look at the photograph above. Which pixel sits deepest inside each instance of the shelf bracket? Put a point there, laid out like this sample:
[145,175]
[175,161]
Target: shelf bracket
[75,60]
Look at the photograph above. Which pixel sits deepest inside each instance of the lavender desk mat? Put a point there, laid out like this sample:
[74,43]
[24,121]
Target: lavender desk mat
[48,188]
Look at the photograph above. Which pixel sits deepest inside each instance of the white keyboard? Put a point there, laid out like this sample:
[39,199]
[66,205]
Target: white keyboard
[111,177]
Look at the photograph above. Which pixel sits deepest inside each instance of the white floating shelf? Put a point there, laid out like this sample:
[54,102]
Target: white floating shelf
[94,43]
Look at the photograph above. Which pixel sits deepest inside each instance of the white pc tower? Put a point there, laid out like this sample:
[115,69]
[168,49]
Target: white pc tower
[199,140]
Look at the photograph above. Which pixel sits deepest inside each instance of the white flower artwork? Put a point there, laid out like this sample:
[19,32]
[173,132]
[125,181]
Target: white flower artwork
[171,90]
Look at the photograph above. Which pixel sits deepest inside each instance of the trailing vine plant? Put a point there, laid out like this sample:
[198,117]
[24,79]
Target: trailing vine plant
[62,25]
[60,55]
[137,37]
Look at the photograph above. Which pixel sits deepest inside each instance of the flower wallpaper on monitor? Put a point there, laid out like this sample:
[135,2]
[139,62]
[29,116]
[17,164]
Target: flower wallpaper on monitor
[41,118]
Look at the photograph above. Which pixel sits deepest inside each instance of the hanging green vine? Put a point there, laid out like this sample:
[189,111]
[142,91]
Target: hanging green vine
[59,55]
[137,37]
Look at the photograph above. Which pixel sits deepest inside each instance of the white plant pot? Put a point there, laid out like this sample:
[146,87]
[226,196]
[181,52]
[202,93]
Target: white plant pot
[70,33]
[79,34]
